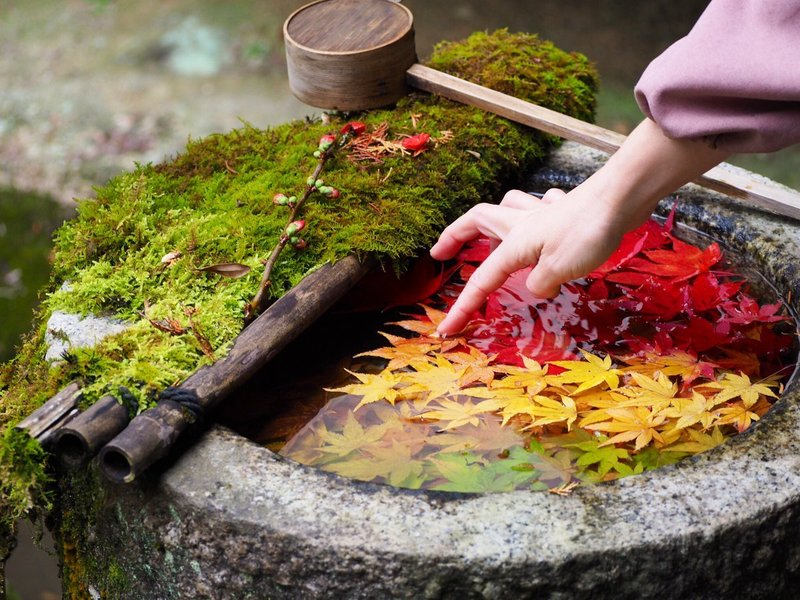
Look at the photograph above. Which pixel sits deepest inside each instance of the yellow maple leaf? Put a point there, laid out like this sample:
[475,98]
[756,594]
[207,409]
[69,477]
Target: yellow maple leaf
[596,398]
[587,373]
[402,354]
[549,411]
[677,363]
[427,329]
[510,401]
[353,437]
[530,377]
[437,378]
[689,411]
[394,464]
[739,386]
[738,414]
[477,364]
[372,388]
[638,423]
[459,412]
[698,441]
[654,392]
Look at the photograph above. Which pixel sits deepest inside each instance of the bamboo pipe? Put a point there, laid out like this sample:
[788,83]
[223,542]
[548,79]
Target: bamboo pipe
[76,442]
[151,434]
[42,422]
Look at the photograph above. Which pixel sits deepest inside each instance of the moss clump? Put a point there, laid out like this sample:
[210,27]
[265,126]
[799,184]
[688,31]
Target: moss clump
[213,203]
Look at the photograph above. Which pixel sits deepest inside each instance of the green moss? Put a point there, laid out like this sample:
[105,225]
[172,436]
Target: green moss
[213,203]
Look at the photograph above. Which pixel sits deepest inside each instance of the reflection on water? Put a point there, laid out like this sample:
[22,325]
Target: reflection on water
[475,413]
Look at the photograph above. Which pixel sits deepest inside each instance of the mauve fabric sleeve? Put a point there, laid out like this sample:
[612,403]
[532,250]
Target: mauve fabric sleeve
[734,80]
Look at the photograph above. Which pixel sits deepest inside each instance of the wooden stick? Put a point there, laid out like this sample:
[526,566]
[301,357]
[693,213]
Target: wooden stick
[771,197]
[151,434]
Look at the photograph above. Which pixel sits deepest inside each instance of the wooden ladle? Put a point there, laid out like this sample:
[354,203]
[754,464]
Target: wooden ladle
[357,54]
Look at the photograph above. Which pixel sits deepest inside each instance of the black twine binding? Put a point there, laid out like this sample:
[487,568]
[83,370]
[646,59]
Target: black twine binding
[129,401]
[188,399]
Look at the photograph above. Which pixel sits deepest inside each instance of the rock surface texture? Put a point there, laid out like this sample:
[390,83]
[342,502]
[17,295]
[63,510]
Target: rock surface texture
[229,519]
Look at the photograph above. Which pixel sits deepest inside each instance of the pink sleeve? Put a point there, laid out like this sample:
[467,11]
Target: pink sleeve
[734,80]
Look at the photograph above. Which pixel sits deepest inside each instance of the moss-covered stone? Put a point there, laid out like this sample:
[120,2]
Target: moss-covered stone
[213,204]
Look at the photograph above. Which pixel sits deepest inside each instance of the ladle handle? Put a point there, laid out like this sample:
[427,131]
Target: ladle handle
[771,197]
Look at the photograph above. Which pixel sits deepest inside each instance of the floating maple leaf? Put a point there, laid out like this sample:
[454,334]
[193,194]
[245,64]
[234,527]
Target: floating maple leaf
[738,415]
[747,311]
[511,402]
[434,379]
[372,388]
[654,393]
[682,262]
[548,410]
[530,377]
[699,441]
[477,366]
[588,373]
[401,354]
[629,424]
[739,386]
[689,411]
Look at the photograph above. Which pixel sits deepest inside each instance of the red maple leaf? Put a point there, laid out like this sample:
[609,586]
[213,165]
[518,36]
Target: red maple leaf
[707,292]
[747,311]
[682,262]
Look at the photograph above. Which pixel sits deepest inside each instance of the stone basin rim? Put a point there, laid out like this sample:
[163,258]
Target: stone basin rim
[749,479]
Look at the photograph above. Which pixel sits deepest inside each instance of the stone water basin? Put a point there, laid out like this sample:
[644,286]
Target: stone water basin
[230,519]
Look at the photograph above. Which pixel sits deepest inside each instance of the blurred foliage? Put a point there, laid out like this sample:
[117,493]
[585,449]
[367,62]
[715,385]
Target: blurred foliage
[27,222]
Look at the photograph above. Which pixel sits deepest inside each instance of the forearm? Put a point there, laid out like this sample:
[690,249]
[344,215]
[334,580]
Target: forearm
[646,168]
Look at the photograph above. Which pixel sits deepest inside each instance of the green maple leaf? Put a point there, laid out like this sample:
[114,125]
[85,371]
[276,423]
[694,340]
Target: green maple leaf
[607,458]
[554,466]
[465,472]
[653,458]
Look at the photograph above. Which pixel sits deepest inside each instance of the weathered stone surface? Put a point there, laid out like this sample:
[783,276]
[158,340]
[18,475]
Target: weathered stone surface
[65,331]
[230,519]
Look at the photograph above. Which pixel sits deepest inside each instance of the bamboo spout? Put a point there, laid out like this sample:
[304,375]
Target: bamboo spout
[151,435]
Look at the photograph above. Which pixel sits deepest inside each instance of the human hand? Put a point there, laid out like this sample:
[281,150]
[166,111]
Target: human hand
[563,236]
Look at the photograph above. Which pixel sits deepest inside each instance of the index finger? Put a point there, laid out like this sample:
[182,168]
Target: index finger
[489,220]
[488,277]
